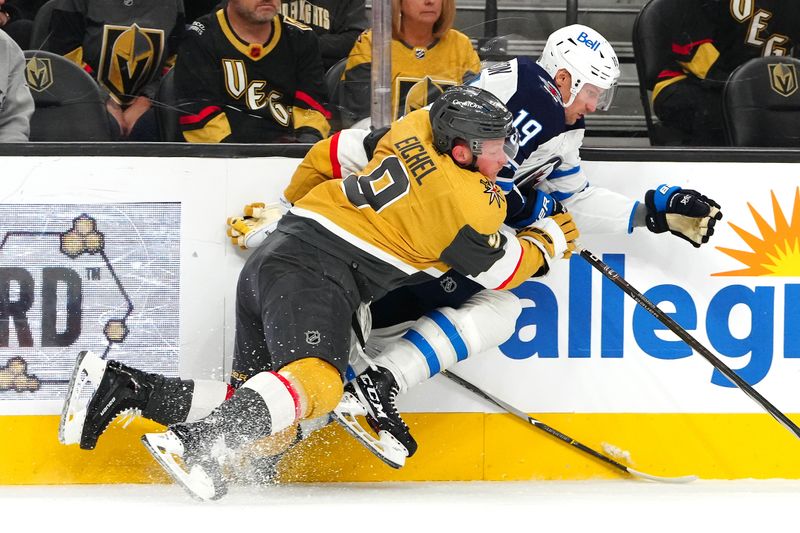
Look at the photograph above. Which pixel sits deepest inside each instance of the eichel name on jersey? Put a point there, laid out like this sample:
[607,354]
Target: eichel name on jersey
[124,47]
[716,36]
[411,215]
[234,91]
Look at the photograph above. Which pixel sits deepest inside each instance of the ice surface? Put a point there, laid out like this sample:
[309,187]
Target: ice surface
[491,507]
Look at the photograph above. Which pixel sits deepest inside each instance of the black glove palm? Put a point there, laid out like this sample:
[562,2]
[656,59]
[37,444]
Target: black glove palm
[683,212]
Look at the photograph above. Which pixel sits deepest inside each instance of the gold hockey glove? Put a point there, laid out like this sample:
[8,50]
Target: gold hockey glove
[554,236]
[259,220]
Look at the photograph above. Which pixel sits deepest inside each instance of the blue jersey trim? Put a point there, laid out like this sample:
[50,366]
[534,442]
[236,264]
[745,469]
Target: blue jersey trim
[561,195]
[561,173]
[564,195]
[505,184]
[633,213]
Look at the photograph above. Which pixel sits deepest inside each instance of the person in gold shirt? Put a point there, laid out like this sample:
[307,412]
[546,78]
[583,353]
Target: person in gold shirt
[428,56]
[426,202]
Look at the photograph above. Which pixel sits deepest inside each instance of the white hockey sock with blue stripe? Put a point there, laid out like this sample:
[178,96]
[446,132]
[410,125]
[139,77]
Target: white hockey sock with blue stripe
[446,336]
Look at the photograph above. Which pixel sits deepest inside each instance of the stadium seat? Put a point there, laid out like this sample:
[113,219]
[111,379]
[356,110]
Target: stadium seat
[333,82]
[69,104]
[761,103]
[41,26]
[651,48]
[167,109]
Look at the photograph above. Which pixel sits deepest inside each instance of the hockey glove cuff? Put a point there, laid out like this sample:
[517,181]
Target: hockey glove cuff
[554,236]
[683,212]
[538,205]
[259,220]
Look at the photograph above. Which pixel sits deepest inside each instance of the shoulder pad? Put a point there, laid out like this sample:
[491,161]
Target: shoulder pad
[371,141]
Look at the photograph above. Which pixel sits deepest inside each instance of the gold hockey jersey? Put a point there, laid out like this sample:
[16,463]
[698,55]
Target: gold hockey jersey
[412,210]
[446,62]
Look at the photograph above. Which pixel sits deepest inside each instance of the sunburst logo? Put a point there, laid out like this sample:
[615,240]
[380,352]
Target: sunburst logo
[776,252]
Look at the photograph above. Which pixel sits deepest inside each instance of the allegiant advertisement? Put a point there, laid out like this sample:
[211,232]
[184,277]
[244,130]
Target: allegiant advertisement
[139,268]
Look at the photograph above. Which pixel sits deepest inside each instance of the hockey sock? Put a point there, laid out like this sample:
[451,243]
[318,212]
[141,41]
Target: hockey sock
[208,395]
[445,336]
[318,383]
[265,404]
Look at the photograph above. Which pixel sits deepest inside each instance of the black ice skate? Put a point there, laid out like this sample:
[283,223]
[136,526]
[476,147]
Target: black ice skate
[192,457]
[372,394]
[118,389]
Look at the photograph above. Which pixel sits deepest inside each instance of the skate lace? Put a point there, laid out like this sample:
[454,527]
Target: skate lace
[127,416]
[393,392]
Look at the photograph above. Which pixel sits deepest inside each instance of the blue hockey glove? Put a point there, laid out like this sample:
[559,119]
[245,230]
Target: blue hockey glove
[683,212]
[537,205]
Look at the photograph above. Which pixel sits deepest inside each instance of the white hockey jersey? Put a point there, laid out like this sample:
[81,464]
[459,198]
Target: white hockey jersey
[548,156]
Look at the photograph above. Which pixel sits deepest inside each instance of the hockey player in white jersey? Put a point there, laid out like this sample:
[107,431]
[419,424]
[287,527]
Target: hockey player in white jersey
[579,70]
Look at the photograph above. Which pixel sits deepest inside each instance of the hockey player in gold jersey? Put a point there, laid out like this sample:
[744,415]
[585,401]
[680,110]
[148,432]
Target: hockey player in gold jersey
[421,209]
[426,202]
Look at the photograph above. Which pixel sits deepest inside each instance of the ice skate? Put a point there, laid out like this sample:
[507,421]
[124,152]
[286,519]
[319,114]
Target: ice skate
[117,389]
[193,459]
[372,395]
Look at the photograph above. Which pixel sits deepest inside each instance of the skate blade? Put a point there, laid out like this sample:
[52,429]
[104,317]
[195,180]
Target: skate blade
[166,449]
[89,368]
[386,448]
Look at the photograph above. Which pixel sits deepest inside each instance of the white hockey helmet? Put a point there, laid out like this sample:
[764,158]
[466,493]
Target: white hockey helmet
[588,57]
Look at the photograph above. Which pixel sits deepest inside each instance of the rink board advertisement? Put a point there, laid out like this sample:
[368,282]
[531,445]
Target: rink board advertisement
[128,257]
[98,277]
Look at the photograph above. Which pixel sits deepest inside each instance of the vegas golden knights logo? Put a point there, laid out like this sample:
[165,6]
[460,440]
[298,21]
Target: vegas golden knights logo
[129,59]
[783,78]
[415,93]
[39,73]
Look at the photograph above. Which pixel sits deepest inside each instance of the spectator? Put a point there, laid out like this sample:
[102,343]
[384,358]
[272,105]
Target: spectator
[125,46]
[197,8]
[16,19]
[247,74]
[711,39]
[425,49]
[16,102]
[337,23]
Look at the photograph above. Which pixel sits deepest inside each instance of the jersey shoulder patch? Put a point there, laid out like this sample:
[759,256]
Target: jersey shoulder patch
[296,24]
[472,252]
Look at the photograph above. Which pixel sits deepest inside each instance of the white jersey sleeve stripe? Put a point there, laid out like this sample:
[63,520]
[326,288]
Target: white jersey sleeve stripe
[557,173]
[501,272]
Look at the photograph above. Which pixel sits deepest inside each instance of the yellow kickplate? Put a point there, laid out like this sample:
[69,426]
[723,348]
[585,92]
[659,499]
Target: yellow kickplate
[452,447]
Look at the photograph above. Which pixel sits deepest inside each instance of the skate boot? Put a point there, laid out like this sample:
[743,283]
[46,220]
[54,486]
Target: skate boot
[192,457]
[372,394]
[118,389]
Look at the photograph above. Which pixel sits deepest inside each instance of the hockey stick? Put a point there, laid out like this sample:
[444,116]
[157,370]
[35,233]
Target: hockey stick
[560,436]
[673,326]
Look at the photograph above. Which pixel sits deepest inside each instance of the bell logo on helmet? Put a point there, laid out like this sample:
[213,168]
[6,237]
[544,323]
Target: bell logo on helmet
[584,38]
